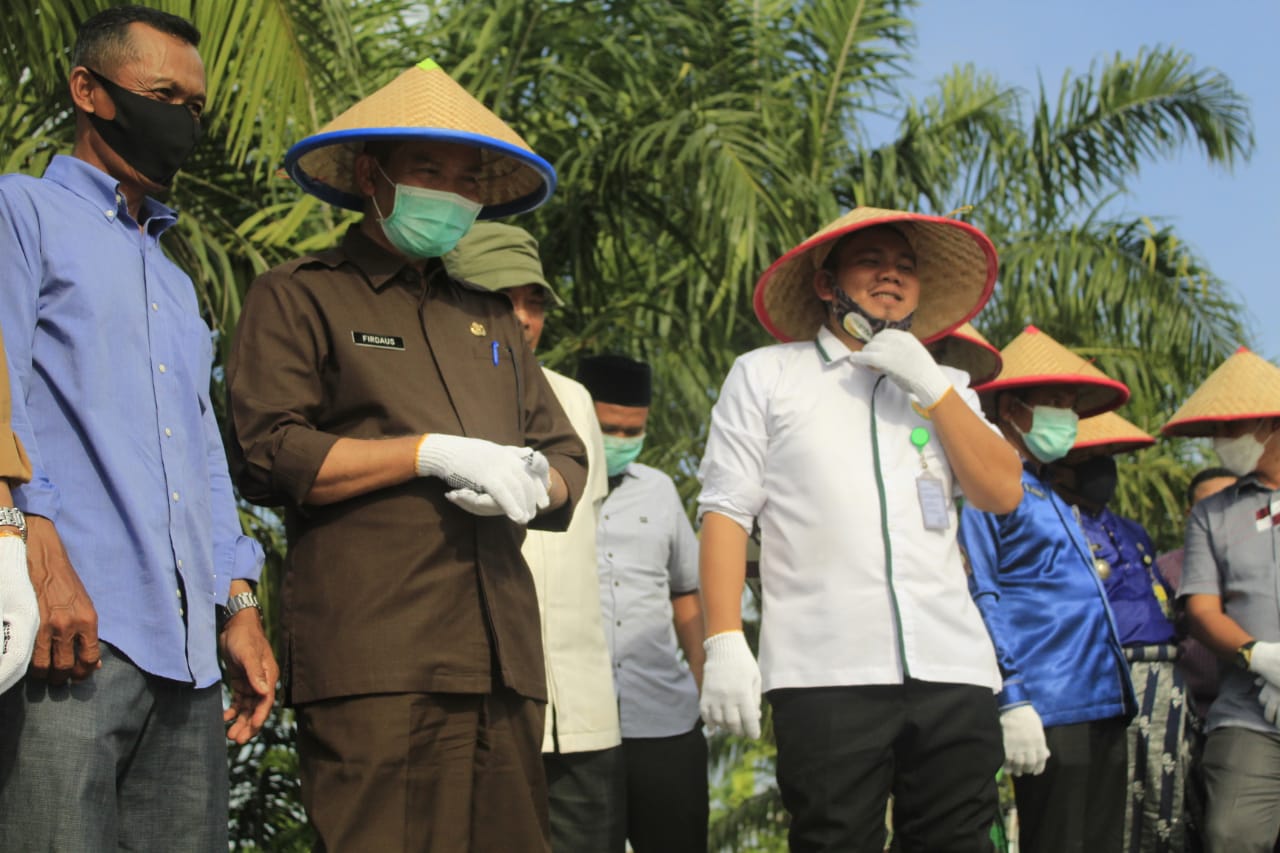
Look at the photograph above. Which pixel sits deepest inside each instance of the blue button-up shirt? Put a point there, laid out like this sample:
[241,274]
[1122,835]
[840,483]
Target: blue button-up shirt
[647,554]
[1134,586]
[110,364]
[1033,580]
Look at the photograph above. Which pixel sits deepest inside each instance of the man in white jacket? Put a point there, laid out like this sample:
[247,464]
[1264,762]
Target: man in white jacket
[581,747]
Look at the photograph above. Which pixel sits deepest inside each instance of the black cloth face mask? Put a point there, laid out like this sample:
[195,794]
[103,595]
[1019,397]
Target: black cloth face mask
[153,137]
[1095,480]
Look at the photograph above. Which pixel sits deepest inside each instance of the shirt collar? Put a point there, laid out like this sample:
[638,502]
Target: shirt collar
[380,266]
[830,348]
[103,192]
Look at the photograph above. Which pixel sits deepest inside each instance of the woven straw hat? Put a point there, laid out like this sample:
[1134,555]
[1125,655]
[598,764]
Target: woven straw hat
[1244,386]
[1033,360]
[956,264]
[968,350]
[423,103]
[1109,434]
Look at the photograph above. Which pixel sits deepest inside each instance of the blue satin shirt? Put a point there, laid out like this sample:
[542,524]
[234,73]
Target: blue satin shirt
[1132,583]
[1032,577]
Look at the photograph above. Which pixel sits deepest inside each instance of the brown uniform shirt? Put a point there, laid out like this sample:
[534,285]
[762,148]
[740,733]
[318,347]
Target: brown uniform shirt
[397,590]
[14,464]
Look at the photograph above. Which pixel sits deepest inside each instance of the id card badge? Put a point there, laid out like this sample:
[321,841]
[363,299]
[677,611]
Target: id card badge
[933,502]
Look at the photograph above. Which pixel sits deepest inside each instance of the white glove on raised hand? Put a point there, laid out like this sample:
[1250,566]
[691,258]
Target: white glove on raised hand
[1025,750]
[1265,661]
[514,480]
[902,357]
[730,685]
[19,612]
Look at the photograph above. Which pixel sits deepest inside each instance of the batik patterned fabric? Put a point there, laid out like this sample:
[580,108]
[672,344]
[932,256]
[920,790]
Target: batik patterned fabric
[1158,753]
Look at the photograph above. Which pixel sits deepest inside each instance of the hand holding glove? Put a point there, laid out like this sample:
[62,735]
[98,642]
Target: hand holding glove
[1025,750]
[19,612]
[730,685]
[487,478]
[902,357]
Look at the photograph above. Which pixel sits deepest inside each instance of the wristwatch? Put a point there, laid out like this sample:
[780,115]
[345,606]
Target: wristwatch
[1244,655]
[11,516]
[235,604]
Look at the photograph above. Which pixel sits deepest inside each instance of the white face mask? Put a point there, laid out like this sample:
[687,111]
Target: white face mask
[1239,455]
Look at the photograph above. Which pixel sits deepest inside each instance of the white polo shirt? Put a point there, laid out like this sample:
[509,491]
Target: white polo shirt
[580,697]
[792,446]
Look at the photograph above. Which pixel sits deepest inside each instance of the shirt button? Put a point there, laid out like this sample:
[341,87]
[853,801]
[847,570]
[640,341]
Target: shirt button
[179,564]
[110,214]
[618,623]
[155,306]
[162,367]
[617,583]
[179,592]
[175,497]
[168,433]
[610,554]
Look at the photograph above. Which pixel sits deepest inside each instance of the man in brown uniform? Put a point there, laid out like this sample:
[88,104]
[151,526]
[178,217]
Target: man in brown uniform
[406,427]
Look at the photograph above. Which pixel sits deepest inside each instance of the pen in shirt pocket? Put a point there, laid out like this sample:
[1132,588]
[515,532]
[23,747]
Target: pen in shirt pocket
[494,350]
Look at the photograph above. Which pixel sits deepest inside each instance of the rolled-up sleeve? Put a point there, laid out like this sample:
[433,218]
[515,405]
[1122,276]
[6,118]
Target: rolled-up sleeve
[275,394]
[733,466]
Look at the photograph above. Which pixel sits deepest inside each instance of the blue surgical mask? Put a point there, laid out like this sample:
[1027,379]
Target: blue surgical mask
[427,223]
[621,451]
[1052,433]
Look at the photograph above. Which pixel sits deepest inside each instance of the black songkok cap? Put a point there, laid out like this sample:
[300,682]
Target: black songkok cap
[616,379]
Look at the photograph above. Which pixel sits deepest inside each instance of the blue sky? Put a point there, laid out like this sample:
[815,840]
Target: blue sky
[1231,219]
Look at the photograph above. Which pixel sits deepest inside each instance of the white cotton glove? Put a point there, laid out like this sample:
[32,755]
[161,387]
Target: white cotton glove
[902,357]
[18,610]
[1264,660]
[1269,699]
[487,478]
[1025,750]
[730,685]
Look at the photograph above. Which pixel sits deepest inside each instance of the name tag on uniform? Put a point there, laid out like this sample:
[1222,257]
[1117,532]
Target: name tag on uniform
[368,339]
[933,502]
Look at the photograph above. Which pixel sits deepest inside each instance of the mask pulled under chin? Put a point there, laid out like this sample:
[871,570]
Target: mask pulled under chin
[1239,455]
[1096,479]
[153,137]
[855,320]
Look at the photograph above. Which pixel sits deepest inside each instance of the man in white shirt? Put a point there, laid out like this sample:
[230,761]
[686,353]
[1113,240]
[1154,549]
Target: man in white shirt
[848,446]
[580,747]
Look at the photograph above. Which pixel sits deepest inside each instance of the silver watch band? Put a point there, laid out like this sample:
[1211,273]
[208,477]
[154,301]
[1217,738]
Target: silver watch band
[240,601]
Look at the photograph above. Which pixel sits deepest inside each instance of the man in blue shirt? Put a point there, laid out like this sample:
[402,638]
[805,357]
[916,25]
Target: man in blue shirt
[647,556]
[1140,598]
[115,738]
[1066,695]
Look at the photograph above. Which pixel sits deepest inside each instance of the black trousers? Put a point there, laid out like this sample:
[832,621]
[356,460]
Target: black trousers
[587,801]
[1077,804]
[666,780]
[843,750]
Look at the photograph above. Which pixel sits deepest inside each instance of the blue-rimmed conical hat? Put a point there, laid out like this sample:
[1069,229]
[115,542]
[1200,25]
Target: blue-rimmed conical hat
[423,103]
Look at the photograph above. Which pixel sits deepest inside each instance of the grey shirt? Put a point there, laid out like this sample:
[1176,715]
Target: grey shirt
[647,553]
[1233,551]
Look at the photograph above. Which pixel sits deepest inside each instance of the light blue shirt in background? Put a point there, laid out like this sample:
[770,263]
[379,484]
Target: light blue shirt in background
[111,364]
[648,553]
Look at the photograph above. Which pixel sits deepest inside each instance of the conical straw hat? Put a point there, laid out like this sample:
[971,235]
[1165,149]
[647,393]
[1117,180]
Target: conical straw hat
[1109,434]
[1244,386]
[968,350]
[1033,359]
[423,103]
[955,262]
